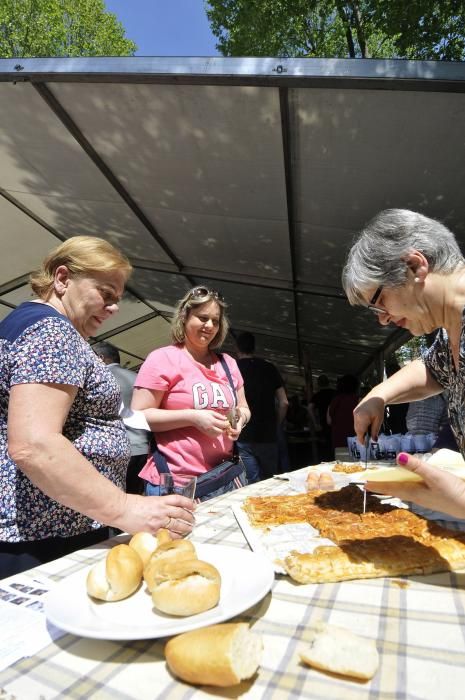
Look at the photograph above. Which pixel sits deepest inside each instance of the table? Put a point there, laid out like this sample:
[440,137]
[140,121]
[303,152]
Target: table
[418,623]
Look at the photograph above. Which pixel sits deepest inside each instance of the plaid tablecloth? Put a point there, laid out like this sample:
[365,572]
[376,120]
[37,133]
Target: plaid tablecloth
[418,623]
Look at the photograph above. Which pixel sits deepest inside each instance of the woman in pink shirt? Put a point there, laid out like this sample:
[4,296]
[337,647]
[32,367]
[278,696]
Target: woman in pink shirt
[186,395]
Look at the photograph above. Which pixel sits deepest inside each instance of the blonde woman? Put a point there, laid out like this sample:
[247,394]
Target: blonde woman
[63,448]
[187,397]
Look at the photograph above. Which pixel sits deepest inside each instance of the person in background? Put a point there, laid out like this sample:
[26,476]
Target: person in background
[297,416]
[340,410]
[64,450]
[186,395]
[427,416]
[408,270]
[266,397]
[445,439]
[395,414]
[139,439]
[318,407]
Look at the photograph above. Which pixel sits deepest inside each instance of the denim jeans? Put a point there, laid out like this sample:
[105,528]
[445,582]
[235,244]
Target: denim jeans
[152,490]
[260,459]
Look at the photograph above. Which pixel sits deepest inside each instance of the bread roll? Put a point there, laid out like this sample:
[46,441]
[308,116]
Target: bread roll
[116,576]
[319,481]
[185,587]
[144,543]
[163,535]
[341,651]
[174,550]
[221,655]
[326,482]
[312,480]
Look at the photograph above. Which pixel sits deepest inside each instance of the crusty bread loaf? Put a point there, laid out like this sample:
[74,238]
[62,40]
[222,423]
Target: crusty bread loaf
[116,576]
[185,587]
[220,655]
[174,550]
[338,650]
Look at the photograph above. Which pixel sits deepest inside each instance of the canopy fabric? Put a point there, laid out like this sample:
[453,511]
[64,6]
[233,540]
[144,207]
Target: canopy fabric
[247,175]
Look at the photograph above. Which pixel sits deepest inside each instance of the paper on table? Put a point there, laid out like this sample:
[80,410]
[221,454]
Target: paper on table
[135,419]
[279,541]
[25,629]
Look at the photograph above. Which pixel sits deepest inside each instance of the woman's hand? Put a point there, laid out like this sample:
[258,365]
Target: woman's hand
[150,513]
[439,490]
[368,416]
[210,422]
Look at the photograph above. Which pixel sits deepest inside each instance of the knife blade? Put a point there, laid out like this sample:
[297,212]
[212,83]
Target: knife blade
[367,445]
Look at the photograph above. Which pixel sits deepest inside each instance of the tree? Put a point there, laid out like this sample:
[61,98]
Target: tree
[42,28]
[426,29]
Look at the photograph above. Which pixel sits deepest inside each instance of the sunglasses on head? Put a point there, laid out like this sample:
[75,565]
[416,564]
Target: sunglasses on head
[199,292]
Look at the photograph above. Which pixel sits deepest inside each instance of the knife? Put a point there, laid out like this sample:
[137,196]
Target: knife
[367,445]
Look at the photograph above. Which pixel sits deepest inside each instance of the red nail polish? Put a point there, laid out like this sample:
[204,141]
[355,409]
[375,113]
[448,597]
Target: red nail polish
[402,458]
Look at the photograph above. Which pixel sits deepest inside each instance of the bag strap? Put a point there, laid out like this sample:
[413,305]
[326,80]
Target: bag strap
[224,364]
[159,458]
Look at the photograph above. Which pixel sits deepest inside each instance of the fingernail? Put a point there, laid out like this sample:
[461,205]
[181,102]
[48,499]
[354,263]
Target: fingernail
[402,458]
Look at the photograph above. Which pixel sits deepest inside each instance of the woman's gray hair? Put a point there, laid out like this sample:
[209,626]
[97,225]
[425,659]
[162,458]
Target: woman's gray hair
[377,258]
[196,297]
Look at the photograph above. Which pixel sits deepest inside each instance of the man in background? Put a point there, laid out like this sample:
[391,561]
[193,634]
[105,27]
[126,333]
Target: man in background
[266,396]
[318,408]
[139,439]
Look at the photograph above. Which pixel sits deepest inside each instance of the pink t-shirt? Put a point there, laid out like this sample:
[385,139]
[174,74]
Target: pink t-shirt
[188,384]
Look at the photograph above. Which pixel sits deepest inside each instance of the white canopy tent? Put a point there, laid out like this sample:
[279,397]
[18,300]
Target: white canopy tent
[248,175]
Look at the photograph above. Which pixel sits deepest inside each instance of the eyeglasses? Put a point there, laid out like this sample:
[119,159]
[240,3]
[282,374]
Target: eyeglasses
[371,304]
[205,292]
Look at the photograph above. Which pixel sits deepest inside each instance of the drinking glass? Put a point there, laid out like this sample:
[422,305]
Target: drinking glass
[184,486]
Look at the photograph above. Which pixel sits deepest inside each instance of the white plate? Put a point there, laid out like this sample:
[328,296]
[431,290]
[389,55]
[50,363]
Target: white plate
[246,577]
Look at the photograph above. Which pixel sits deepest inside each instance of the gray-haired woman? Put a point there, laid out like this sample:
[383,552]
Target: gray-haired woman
[408,270]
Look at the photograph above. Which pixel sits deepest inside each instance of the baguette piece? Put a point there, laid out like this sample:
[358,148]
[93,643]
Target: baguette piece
[339,650]
[221,655]
[174,550]
[116,576]
[185,587]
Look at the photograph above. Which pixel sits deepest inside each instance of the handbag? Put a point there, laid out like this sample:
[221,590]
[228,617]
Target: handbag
[224,477]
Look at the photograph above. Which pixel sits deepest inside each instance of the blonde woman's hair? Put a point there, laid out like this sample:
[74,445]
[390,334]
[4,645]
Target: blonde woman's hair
[82,255]
[196,297]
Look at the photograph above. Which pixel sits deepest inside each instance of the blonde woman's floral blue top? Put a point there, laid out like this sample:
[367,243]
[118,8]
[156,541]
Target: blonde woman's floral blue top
[38,345]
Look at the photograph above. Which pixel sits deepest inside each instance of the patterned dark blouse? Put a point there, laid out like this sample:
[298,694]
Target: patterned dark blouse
[439,362]
[39,345]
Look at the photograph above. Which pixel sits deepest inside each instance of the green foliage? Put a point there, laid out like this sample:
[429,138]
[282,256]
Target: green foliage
[40,28]
[426,29]
[412,349]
